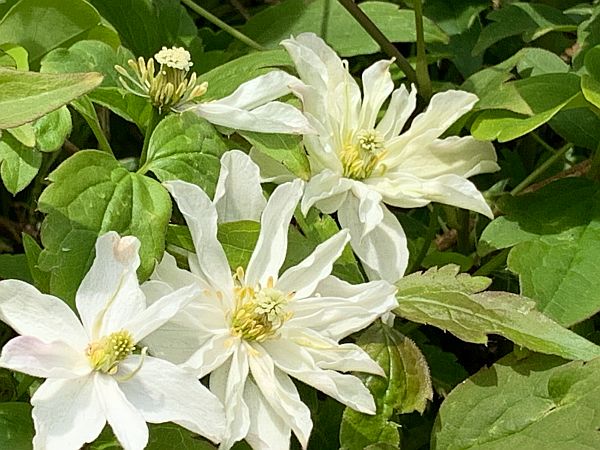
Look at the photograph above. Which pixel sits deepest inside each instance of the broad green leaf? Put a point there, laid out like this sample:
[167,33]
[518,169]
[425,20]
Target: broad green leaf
[52,130]
[43,25]
[561,221]
[16,426]
[238,240]
[185,147]
[15,56]
[19,164]
[470,316]
[588,36]
[285,149]
[532,20]
[537,403]
[538,61]
[41,279]
[590,83]
[454,17]
[334,24]
[14,267]
[26,96]
[406,388]
[91,194]
[580,126]
[25,134]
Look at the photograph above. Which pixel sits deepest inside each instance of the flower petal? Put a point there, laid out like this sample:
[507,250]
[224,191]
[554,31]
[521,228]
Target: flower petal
[324,186]
[47,360]
[201,217]
[281,394]
[163,392]
[271,247]
[383,250]
[128,424]
[303,278]
[377,86]
[402,105]
[168,273]
[109,293]
[267,430]
[238,195]
[366,205]
[66,414]
[45,317]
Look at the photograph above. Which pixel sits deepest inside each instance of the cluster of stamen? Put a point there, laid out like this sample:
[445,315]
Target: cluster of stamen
[170,88]
[105,354]
[362,157]
[259,312]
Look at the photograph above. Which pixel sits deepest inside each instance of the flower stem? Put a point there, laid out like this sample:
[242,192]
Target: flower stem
[222,25]
[153,121]
[423,80]
[386,46]
[86,108]
[541,169]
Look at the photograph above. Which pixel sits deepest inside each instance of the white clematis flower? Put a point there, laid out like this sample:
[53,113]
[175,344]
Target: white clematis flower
[253,329]
[93,375]
[359,163]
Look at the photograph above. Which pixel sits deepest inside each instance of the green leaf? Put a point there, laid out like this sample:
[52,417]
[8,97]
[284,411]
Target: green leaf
[91,194]
[53,129]
[238,240]
[43,25]
[332,22]
[26,96]
[186,147]
[580,126]
[455,17]
[424,298]
[15,55]
[532,20]
[19,164]
[25,134]
[406,388]
[561,221]
[286,149]
[14,267]
[534,403]
[41,279]
[16,426]
[590,83]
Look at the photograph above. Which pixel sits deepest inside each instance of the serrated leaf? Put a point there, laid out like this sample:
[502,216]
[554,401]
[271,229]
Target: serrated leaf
[186,147]
[19,164]
[556,237]
[473,316]
[537,403]
[406,388]
[16,426]
[26,96]
[91,194]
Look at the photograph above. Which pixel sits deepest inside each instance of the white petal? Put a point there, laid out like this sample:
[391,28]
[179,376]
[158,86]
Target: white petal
[402,105]
[168,273]
[281,394]
[343,308]
[383,250]
[274,117]
[296,361]
[377,86]
[209,355]
[267,430]
[47,360]
[271,247]
[325,185]
[31,313]
[128,424]
[160,312]
[163,392]
[366,205]
[201,217]
[109,293]
[66,414]
[238,195]
[227,383]
[303,278]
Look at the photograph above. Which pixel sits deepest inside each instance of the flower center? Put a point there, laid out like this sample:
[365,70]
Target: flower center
[361,157]
[105,354]
[259,312]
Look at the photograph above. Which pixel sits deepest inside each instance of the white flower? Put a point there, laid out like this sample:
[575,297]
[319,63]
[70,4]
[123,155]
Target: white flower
[253,329]
[93,375]
[175,57]
[359,163]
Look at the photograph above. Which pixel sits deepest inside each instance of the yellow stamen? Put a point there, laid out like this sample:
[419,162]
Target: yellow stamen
[105,354]
[363,156]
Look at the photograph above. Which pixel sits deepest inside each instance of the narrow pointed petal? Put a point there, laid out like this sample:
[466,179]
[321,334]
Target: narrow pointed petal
[47,360]
[110,293]
[163,392]
[212,353]
[66,414]
[384,249]
[326,185]
[303,278]
[271,246]
[402,105]
[238,195]
[281,394]
[366,205]
[377,86]
[201,217]
[31,313]
[267,430]
[128,424]
[168,273]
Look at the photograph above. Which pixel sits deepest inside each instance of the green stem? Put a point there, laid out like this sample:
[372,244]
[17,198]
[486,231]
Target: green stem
[86,108]
[222,25]
[386,46]
[594,172]
[541,169]
[423,80]
[154,120]
[429,236]
[497,261]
